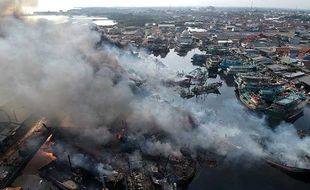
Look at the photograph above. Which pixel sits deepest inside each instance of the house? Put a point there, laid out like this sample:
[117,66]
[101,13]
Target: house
[282,51]
[267,52]
[306,61]
[185,38]
[225,43]
[305,80]
[262,60]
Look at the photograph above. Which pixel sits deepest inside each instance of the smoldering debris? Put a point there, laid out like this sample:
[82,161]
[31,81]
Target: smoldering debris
[58,71]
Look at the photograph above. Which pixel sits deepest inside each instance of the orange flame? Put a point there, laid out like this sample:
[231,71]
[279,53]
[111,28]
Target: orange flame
[49,155]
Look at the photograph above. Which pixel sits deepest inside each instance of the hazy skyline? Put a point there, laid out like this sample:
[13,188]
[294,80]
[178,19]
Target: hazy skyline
[68,4]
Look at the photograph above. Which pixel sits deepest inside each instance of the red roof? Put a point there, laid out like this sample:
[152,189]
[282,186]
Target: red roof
[304,50]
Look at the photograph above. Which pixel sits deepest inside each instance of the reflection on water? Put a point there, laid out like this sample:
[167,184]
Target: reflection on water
[60,19]
[104,22]
[54,18]
[183,63]
[235,175]
[238,176]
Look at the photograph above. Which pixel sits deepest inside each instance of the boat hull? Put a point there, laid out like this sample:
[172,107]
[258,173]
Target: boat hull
[288,115]
[288,169]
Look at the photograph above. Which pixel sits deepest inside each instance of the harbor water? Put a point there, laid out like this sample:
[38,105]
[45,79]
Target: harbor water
[226,108]
[61,19]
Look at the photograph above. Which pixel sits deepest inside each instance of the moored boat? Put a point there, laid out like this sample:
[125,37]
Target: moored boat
[232,70]
[252,101]
[226,63]
[199,60]
[287,168]
[288,107]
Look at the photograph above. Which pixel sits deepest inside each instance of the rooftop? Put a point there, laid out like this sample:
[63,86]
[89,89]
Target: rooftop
[305,80]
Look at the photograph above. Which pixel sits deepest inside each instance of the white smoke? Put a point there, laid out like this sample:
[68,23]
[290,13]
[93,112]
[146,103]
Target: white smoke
[57,71]
[9,7]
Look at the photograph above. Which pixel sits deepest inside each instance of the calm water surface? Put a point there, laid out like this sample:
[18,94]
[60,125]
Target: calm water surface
[227,108]
[59,19]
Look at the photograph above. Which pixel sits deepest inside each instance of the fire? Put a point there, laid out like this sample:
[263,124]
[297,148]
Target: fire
[121,135]
[49,155]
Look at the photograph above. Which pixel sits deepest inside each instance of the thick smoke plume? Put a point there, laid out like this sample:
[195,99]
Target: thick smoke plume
[10,7]
[58,72]
[55,70]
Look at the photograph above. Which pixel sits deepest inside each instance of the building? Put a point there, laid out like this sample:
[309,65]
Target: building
[185,38]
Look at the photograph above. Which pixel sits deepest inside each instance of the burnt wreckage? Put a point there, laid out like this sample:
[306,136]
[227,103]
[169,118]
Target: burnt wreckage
[120,164]
[195,84]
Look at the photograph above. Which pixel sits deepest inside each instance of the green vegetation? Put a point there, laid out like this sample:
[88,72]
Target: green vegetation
[129,19]
[300,17]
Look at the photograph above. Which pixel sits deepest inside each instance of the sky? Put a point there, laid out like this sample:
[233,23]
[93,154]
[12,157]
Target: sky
[67,4]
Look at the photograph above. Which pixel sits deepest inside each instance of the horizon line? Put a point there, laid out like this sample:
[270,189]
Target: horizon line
[182,6]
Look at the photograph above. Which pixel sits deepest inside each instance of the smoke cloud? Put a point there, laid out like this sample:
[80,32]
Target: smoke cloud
[58,72]
[10,7]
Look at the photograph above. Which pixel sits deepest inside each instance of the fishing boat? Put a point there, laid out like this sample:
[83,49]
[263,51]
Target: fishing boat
[253,81]
[226,63]
[183,170]
[252,101]
[288,107]
[199,60]
[269,94]
[207,89]
[301,166]
[232,70]
[287,168]
[213,64]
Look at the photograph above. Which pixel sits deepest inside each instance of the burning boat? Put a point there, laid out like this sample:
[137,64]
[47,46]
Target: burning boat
[207,89]
[15,157]
[198,76]
[65,177]
[173,172]
[114,181]
[161,181]
[183,170]
[139,181]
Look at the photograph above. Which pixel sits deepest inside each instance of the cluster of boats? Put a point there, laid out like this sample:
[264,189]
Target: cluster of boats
[270,95]
[195,84]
